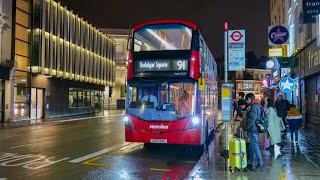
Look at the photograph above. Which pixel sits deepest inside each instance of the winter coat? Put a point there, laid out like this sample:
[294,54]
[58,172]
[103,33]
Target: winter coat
[254,113]
[274,127]
[282,106]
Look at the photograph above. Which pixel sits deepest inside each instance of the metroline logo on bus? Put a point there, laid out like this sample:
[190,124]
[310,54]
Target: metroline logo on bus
[236,50]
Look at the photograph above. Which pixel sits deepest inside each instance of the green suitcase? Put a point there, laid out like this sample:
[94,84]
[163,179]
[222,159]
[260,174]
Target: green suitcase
[237,154]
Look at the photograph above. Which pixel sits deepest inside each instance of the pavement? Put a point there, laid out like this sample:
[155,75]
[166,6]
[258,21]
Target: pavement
[94,148]
[298,161]
[16,123]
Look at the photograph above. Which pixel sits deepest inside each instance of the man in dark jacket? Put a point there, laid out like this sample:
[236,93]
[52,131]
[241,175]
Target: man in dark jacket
[282,106]
[254,113]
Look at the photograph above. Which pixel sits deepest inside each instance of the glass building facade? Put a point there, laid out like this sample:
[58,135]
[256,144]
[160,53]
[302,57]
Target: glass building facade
[63,63]
[66,46]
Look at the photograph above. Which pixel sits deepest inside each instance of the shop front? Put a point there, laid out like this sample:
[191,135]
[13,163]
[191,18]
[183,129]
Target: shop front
[308,71]
[249,86]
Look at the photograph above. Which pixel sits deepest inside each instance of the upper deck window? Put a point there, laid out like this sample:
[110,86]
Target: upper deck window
[163,37]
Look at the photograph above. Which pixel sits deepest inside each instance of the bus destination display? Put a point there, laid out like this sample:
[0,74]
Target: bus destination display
[162,65]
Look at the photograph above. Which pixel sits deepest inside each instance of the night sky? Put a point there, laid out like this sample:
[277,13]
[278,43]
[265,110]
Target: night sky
[252,15]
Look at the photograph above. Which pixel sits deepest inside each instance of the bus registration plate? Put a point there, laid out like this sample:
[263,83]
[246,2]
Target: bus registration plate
[160,141]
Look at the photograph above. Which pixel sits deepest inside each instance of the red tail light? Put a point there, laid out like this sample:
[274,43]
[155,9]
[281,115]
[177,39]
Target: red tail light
[130,66]
[194,65]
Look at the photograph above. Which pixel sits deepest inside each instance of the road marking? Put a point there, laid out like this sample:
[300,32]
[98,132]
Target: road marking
[90,162]
[282,176]
[14,147]
[98,153]
[130,146]
[28,161]
[157,169]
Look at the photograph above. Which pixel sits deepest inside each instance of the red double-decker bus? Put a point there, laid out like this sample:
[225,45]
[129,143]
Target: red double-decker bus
[171,85]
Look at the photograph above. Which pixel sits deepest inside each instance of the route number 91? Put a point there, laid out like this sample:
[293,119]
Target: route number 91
[181,65]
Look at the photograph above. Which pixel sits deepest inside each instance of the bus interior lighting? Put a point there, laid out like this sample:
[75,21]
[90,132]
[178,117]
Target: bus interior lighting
[168,46]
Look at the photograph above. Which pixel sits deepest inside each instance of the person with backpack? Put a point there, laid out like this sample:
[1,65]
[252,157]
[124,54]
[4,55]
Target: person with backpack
[252,125]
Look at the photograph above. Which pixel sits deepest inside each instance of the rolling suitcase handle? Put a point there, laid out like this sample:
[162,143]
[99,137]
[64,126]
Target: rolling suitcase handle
[241,153]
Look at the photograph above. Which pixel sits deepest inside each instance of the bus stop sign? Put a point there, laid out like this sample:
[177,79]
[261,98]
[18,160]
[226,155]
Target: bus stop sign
[226,102]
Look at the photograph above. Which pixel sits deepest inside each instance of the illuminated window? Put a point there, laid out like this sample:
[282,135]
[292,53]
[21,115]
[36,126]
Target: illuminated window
[22,18]
[22,48]
[22,33]
[23,63]
[23,5]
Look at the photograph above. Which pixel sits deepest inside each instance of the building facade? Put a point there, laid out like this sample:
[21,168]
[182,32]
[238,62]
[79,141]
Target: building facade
[6,60]
[62,63]
[304,52]
[120,36]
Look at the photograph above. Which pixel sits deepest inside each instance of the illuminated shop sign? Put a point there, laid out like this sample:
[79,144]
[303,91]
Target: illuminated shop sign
[311,8]
[278,35]
[275,52]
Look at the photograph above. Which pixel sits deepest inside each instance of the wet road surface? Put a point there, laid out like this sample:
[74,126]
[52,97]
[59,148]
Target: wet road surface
[87,149]
[95,149]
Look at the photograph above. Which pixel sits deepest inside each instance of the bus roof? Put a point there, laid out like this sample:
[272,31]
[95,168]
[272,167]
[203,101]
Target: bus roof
[167,21]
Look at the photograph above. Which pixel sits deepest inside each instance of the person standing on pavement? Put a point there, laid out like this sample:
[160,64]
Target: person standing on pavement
[236,101]
[254,113]
[294,119]
[239,115]
[282,106]
[274,127]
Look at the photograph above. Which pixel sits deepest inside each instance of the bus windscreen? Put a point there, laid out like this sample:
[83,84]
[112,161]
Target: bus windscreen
[162,37]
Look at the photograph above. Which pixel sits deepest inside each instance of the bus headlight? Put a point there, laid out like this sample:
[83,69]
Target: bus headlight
[195,122]
[126,120]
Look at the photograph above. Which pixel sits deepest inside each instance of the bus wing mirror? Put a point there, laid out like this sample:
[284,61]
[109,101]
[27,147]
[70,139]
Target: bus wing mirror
[129,41]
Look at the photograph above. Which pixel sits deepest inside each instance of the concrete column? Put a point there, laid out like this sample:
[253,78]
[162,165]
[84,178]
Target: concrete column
[7,101]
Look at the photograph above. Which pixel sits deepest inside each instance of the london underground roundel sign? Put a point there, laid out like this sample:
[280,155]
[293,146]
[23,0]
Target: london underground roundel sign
[236,35]
[278,35]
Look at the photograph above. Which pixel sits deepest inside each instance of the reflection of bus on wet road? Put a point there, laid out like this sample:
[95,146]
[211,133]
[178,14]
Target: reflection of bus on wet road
[172,85]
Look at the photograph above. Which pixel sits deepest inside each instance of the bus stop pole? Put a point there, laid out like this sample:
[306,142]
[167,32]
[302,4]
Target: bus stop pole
[226,124]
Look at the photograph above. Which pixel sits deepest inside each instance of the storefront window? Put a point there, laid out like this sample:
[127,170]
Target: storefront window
[73,96]
[21,102]
[85,98]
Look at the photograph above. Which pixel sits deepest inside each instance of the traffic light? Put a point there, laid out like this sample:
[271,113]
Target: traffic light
[110,91]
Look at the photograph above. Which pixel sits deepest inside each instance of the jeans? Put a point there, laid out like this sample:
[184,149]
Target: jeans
[295,133]
[294,125]
[284,121]
[255,149]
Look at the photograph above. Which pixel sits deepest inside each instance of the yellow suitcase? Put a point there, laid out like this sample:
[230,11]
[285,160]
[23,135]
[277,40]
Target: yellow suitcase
[237,154]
